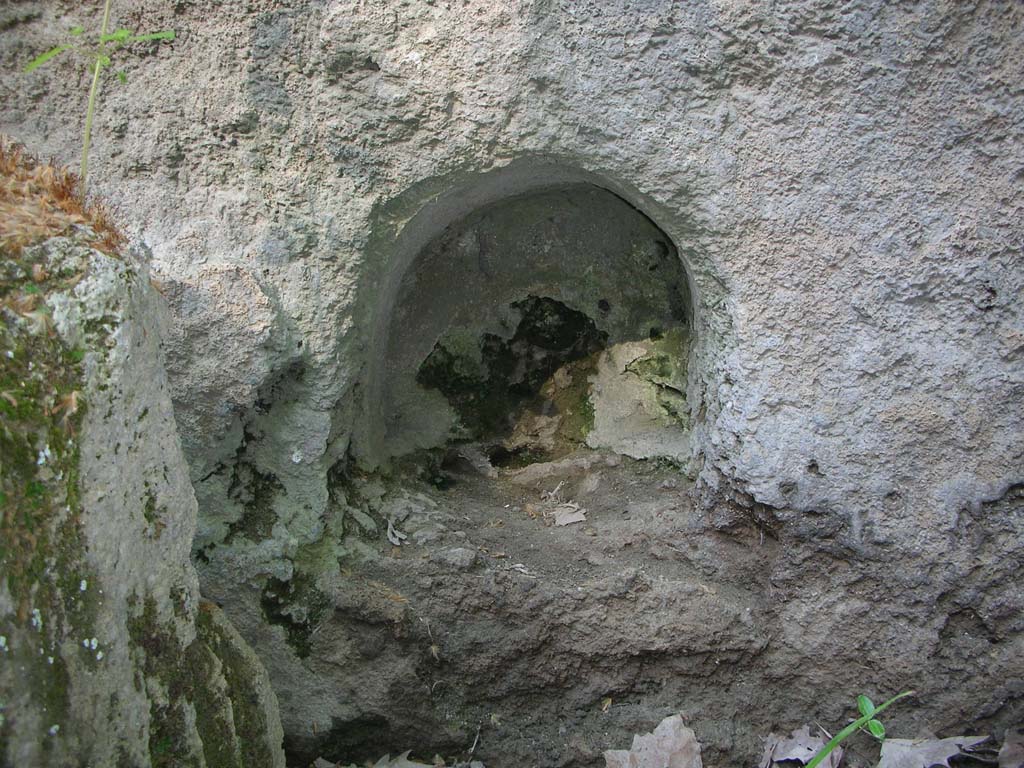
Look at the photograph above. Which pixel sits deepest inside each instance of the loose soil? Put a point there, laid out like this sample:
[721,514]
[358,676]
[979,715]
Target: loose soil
[542,644]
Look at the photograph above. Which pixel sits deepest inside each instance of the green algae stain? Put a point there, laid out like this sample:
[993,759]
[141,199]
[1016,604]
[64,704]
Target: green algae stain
[664,369]
[297,606]
[209,676]
[488,380]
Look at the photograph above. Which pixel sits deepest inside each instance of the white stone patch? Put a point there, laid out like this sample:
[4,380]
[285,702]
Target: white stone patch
[633,399]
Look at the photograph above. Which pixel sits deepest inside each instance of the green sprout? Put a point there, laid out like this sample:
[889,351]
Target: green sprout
[868,719]
[98,51]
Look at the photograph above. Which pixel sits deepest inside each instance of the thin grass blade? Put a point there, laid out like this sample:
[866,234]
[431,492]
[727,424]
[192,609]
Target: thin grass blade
[167,34]
[41,59]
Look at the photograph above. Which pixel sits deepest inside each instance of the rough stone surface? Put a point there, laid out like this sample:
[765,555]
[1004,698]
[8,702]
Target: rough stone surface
[842,182]
[101,661]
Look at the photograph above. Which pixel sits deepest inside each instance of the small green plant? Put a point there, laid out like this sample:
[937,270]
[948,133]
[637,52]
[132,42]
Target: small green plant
[98,51]
[868,719]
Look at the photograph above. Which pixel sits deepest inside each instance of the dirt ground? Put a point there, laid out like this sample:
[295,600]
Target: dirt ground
[491,632]
[542,643]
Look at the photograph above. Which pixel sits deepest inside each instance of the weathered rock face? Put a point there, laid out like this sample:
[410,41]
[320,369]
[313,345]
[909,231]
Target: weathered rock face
[107,657]
[841,183]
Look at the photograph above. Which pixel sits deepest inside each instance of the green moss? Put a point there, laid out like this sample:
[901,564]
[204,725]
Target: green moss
[42,548]
[149,507]
[42,545]
[162,660]
[488,380]
[212,676]
[255,492]
[169,745]
[297,606]
[152,514]
[214,720]
[250,722]
[664,367]
[100,326]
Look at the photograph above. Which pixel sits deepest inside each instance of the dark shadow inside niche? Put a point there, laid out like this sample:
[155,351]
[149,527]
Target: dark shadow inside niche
[538,324]
[488,397]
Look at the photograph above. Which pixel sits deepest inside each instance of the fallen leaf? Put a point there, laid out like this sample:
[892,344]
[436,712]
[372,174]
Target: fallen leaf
[395,536]
[671,745]
[606,704]
[800,746]
[567,514]
[1012,753]
[402,761]
[520,568]
[924,753]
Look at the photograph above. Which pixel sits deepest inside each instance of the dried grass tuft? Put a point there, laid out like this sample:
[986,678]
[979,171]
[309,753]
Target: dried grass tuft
[41,200]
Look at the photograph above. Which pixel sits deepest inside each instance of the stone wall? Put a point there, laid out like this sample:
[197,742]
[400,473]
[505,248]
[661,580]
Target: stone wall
[841,181]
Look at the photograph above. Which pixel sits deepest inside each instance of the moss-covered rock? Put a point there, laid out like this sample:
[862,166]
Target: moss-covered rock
[106,657]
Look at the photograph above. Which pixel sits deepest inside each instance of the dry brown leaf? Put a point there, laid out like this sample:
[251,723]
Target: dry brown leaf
[1012,753]
[800,746]
[23,303]
[924,753]
[671,745]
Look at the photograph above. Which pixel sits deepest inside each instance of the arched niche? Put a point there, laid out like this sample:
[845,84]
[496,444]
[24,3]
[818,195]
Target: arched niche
[472,272]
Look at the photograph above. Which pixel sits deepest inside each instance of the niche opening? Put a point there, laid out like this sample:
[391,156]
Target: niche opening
[540,324]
